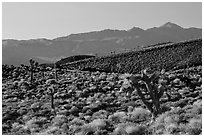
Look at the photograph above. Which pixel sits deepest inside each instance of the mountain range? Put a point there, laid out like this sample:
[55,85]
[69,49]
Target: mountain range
[98,43]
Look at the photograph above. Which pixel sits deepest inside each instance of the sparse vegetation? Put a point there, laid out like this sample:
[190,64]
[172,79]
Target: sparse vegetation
[150,88]
[101,103]
[33,66]
[168,57]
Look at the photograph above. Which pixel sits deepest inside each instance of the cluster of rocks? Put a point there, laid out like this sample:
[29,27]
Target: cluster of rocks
[91,101]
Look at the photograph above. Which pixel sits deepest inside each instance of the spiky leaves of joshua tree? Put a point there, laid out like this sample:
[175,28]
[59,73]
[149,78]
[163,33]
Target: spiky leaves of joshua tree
[150,88]
[55,70]
[51,92]
[43,70]
[32,62]
[33,67]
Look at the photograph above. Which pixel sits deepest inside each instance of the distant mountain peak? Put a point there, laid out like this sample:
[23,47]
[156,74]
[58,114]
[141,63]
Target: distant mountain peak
[135,29]
[102,42]
[171,25]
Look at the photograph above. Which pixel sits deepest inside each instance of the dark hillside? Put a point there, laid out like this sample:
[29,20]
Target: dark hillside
[73,58]
[170,56]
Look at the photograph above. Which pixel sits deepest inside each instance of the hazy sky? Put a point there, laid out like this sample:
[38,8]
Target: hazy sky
[51,20]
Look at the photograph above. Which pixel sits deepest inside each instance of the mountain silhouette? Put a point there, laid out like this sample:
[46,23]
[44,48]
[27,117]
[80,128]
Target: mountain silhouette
[171,25]
[98,43]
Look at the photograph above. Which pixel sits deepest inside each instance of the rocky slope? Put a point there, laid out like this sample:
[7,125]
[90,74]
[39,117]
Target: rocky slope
[94,103]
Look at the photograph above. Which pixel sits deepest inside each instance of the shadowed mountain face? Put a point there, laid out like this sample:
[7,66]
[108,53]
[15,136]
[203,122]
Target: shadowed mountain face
[18,52]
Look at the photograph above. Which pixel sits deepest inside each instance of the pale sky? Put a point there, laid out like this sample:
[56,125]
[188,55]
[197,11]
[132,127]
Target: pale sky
[51,20]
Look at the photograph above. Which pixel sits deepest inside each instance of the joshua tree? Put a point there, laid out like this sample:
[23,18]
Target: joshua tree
[150,88]
[33,66]
[51,91]
[52,85]
[118,67]
[43,71]
[55,69]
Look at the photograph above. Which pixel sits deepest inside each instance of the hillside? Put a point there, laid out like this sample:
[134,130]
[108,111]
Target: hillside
[102,42]
[74,102]
[73,58]
[167,56]
[94,103]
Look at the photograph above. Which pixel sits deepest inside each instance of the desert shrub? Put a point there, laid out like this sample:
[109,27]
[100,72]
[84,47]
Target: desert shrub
[194,126]
[101,132]
[74,129]
[22,111]
[35,124]
[139,114]
[65,128]
[171,129]
[26,118]
[86,129]
[129,128]
[166,123]
[19,129]
[182,128]
[59,120]
[35,106]
[77,121]
[87,118]
[192,111]
[99,123]
[195,110]
[53,130]
[175,119]
[198,103]
[187,116]
[102,114]
[158,126]
[118,117]
[119,131]
[90,128]
[135,130]
[130,109]
[174,122]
